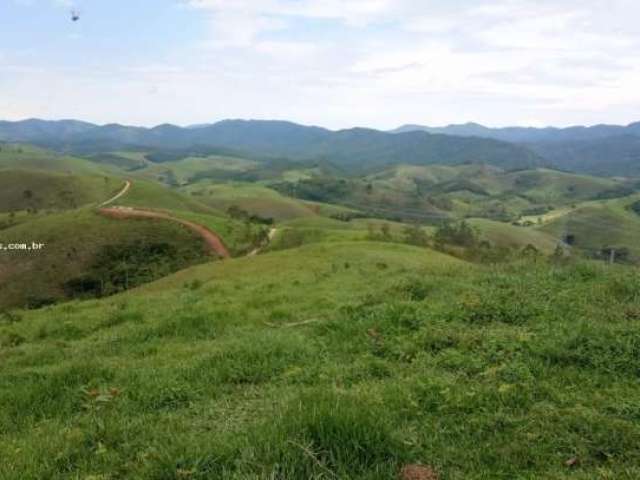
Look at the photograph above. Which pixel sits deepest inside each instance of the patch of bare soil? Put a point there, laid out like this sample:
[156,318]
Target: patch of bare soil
[418,472]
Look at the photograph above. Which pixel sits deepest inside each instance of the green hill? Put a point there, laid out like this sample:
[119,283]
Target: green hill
[87,254]
[595,226]
[431,193]
[42,190]
[27,157]
[254,198]
[340,360]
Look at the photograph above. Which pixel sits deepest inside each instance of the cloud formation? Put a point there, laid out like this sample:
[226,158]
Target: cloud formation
[381,63]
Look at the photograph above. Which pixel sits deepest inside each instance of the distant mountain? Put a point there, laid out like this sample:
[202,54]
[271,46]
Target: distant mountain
[527,134]
[355,149]
[42,131]
[612,156]
[601,149]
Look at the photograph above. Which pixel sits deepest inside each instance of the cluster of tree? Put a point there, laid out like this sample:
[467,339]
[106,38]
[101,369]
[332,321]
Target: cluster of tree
[255,234]
[455,238]
[536,210]
[347,216]
[459,234]
[327,189]
[617,192]
[293,238]
[242,215]
[120,267]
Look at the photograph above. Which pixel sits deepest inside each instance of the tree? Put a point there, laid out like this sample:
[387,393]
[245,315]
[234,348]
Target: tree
[414,235]
[385,230]
[460,234]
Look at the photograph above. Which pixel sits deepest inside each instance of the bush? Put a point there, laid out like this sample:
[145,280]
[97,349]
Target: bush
[459,234]
[504,306]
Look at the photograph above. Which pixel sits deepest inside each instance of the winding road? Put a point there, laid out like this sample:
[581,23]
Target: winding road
[211,238]
[121,193]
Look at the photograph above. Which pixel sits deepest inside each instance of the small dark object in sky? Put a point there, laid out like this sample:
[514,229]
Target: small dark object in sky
[75,15]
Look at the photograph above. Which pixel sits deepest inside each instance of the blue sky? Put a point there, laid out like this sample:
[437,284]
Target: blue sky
[335,63]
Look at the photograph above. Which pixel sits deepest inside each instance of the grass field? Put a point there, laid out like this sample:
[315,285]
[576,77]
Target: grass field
[507,235]
[41,190]
[334,360]
[596,225]
[339,351]
[26,157]
[148,194]
[255,199]
[189,169]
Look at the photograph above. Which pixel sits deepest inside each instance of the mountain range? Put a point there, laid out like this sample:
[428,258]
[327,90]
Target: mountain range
[602,149]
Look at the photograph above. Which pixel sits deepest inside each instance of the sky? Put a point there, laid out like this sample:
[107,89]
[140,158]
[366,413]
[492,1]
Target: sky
[333,63]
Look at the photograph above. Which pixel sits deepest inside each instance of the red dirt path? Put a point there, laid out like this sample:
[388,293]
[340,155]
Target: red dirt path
[210,237]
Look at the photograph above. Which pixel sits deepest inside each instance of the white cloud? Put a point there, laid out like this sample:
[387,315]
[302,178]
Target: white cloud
[369,62]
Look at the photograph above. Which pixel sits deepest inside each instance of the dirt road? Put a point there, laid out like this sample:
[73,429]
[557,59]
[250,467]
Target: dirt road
[272,233]
[122,192]
[210,237]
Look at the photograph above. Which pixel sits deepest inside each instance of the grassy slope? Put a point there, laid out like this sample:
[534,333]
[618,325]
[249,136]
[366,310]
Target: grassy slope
[236,235]
[184,170]
[26,157]
[507,235]
[553,187]
[600,224]
[52,190]
[477,190]
[254,198]
[147,194]
[413,358]
[72,241]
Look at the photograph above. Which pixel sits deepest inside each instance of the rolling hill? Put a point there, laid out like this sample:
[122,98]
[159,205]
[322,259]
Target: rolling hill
[43,190]
[337,343]
[434,192]
[341,360]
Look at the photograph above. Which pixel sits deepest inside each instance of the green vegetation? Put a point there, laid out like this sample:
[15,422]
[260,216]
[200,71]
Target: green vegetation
[331,361]
[76,244]
[27,157]
[431,193]
[453,316]
[595,226]
[147,194]
[253,198]
[50,191]
[191,169]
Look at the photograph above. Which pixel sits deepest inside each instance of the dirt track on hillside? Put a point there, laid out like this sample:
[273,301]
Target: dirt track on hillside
[125,189]
[210,237]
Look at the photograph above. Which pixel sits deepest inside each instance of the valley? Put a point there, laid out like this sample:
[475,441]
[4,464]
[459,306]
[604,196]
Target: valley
[399,313]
